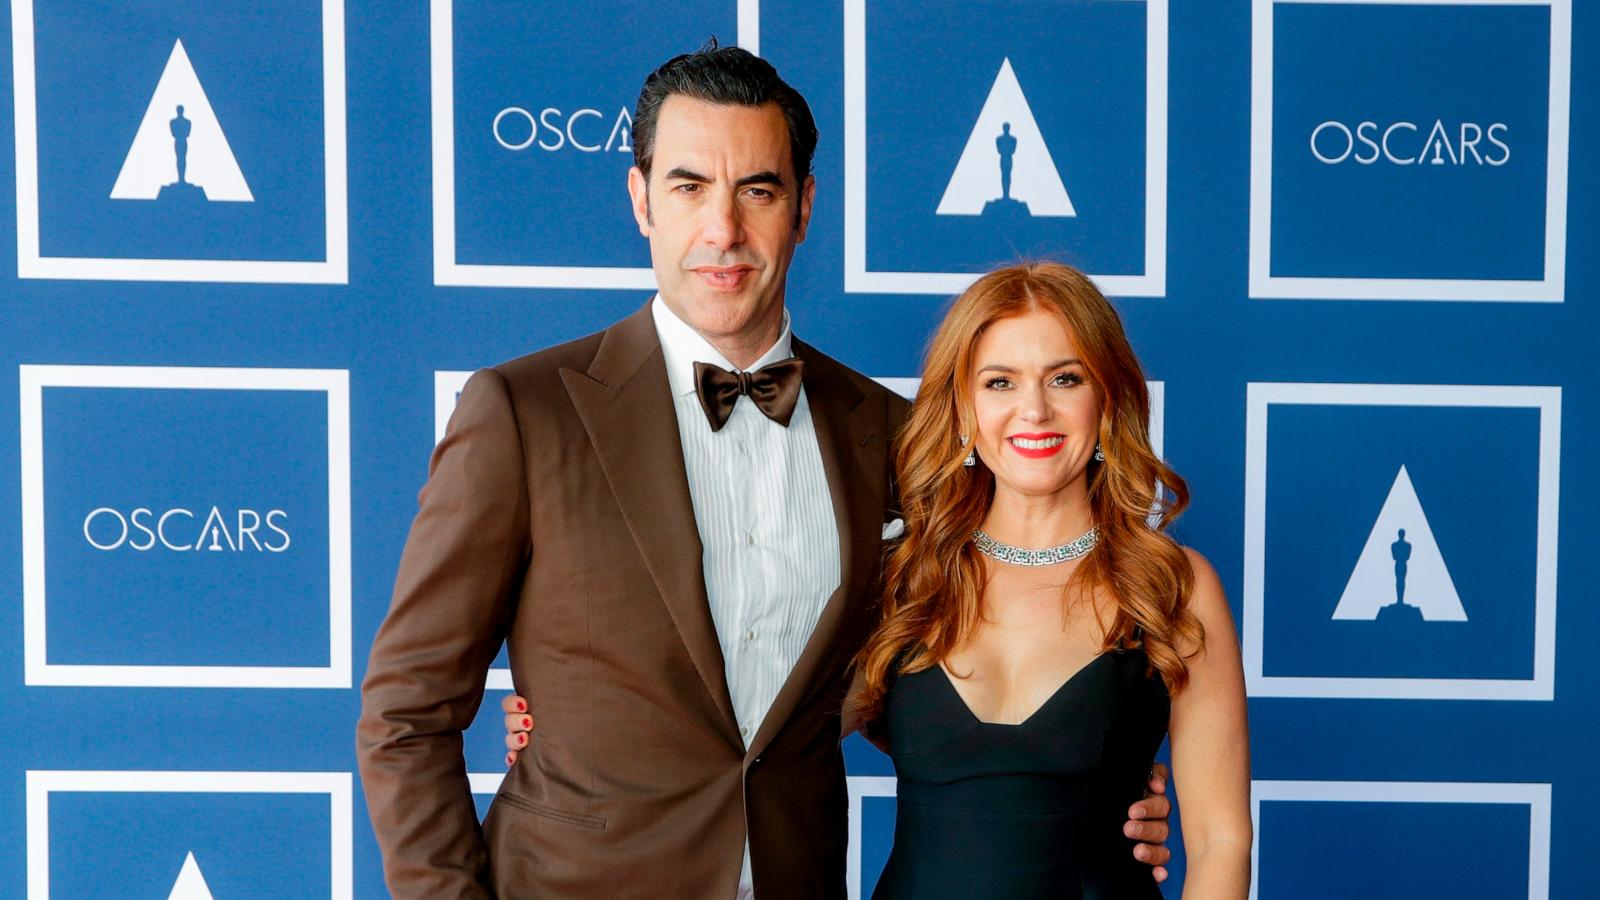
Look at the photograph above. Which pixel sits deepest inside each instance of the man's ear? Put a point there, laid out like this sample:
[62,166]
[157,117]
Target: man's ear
[808,195]
[639,192]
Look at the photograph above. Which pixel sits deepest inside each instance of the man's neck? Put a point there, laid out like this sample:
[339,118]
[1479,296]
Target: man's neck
[744,350]
[740,350]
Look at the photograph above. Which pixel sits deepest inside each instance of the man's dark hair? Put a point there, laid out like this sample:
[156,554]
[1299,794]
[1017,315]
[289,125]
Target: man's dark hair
[730,76]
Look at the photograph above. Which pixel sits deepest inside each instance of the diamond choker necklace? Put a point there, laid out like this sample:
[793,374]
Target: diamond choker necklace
[1049,556]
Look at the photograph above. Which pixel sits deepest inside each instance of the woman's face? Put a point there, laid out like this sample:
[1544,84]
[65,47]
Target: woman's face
[1037,415]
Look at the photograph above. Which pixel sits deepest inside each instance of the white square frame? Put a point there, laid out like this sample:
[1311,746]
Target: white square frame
[861,787]
[447,272]
[1261,396]
[1535,796]
[337,785]
[1158,417]
[38,671]
[1551,288]
[905,386]
[447,385]
[1152,282]
[334,269]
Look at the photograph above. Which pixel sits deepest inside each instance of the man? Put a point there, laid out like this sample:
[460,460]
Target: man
[680,556]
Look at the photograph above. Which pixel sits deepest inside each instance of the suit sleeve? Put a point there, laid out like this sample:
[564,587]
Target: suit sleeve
[459,578]
[897,410]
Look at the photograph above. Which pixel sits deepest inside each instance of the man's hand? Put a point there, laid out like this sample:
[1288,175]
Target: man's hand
[1147,823]
[519,723]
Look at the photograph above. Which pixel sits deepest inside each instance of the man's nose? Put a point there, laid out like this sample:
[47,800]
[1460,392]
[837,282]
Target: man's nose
[722,226]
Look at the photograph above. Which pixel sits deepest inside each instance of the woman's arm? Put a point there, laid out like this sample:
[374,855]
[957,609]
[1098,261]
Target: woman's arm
[1211,751]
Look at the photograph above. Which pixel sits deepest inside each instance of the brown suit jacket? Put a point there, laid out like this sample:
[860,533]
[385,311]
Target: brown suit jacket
[557,517]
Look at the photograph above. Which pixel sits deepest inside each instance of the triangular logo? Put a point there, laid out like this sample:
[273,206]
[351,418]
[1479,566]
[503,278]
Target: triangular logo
[179,124]
[1006,163]
[1401,566]
[191,885]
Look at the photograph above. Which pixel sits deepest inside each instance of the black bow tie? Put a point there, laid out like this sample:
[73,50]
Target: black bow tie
[774,389]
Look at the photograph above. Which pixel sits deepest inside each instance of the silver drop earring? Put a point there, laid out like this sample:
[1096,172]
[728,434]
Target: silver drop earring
[1099,454]
[972,455]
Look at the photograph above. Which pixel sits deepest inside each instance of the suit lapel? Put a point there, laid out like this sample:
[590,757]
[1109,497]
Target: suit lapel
[626,406]
[852,458]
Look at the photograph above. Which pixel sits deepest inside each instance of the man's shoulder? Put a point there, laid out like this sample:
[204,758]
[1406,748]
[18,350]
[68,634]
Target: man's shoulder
[542,368]
[896,405]
[614,352]
[535,384]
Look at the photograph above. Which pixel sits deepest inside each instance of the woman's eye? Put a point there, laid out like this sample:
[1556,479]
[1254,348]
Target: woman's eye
[1066,379]
[997,384]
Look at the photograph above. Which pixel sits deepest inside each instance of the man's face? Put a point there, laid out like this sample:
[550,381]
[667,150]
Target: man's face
[723,213]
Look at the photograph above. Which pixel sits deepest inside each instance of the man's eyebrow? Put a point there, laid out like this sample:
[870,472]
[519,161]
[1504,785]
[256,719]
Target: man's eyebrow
[681,174]
[768,177]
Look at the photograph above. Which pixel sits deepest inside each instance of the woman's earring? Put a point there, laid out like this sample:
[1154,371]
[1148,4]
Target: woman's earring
[1099,454]
[972,455]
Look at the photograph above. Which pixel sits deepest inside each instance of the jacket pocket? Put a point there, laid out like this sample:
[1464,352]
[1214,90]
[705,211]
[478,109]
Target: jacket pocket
[540,809]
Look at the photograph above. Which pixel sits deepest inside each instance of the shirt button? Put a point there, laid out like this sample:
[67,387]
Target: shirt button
[745,731]
[750,635]
[749,539]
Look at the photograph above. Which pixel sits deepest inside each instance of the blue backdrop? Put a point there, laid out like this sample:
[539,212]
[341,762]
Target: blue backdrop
[1349,240]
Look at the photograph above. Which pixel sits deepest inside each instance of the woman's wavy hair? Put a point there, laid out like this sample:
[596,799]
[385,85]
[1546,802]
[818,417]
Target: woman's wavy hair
[933,577]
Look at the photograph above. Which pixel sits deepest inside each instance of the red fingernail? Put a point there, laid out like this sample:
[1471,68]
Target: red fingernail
[522,739]
[522,707]
[527,723]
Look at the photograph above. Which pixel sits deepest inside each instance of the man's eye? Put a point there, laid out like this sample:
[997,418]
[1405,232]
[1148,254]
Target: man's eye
[687,188]
[760,193]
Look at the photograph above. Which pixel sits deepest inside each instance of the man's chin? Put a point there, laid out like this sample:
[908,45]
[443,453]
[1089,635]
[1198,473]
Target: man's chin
[721,316]
[717,312]
[740,302]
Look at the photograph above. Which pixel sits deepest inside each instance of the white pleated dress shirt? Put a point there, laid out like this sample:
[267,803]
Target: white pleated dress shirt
[761,503]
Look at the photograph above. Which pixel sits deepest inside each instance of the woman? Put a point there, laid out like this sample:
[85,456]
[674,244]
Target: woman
[1041,633]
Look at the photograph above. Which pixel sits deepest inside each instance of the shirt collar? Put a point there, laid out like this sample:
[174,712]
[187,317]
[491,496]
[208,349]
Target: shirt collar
[682,347]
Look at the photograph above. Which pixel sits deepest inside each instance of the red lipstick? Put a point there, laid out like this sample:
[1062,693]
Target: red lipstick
[1039,446]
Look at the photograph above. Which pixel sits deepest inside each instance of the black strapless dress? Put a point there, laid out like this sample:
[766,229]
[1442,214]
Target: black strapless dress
[1017,812]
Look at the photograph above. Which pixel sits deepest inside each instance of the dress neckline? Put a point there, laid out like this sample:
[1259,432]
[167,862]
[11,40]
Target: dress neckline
[1061,689]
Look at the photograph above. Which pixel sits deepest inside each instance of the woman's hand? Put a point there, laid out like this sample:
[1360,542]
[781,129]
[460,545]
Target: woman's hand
[519,723]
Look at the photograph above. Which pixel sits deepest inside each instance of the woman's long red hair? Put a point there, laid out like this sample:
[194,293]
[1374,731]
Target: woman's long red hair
[934,578]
